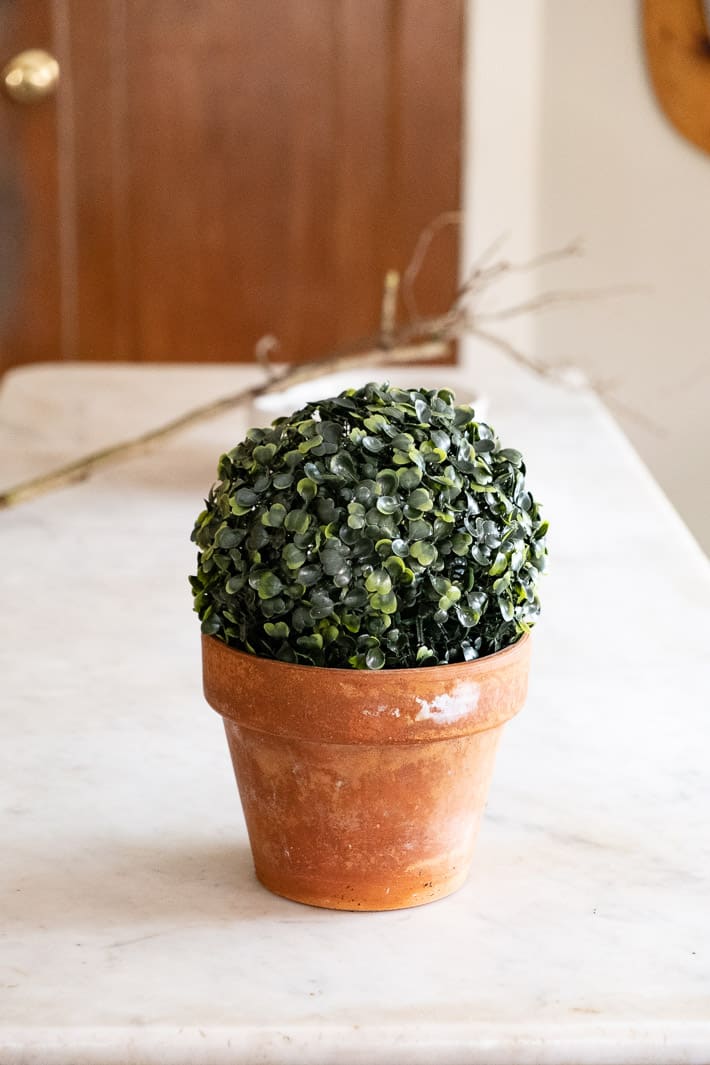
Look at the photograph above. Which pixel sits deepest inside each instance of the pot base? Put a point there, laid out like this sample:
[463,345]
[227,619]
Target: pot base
[358,898]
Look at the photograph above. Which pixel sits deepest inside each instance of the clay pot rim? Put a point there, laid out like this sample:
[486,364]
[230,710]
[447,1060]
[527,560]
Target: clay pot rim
[476,666]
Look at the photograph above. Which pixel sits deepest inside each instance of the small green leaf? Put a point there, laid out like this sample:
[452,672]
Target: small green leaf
[211,626]
[307,445]
[385,602]
[274,516]
[394,566]
[387,504]
[409,476]
[264,453]
[309,575]
[227,538]
[246,497]
[424,654]
[307,489]
[419,529]
[441,439]
[500,565]
[378,581]
[387,482]
[461,542]
[342,465]
[293,556]
[423,552]
[313,642]
[376,423]
[423,411]
[420,499]
[297,521]
[235,584]
[269,585]
[374,658]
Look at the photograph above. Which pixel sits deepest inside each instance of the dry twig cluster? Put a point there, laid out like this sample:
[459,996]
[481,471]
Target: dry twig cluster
[415,339]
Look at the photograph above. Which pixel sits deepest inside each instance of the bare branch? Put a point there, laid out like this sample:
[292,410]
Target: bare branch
[388,312]
[632,413]
[419,340]
[480,277]
[514,353]
[264,348]
[413,268]
[561,376]
[557,298]
[83,467]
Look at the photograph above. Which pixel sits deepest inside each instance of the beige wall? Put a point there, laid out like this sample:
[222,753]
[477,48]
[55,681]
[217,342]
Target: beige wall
[565,138]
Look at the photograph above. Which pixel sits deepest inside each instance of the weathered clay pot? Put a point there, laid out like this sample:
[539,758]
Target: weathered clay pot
[363,790]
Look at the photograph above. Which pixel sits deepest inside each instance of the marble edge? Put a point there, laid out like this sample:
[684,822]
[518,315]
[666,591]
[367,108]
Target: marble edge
[701,558]
[584,1042]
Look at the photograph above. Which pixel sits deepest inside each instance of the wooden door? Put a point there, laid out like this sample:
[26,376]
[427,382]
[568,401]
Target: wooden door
[209,171]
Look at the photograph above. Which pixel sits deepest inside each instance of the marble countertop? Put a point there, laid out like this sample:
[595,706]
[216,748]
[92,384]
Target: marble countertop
[132,929]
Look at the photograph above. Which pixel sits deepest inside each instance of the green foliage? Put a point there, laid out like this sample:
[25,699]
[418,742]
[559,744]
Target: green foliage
[380,528]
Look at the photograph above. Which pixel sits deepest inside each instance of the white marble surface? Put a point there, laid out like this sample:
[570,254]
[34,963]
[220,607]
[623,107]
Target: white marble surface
[132,929]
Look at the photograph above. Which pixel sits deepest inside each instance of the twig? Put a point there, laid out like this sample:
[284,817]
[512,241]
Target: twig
[388,313]
[514,354]
[481,275]
[561,376]
[88,464]
[264,348]
[555,298]
[411,273]
[418,340]
[630,412]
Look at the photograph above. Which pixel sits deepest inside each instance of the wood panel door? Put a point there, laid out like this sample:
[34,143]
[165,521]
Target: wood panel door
[209,171]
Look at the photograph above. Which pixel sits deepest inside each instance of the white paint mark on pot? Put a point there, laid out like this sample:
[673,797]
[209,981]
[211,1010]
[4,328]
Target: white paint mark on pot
[340,784]
[447,707]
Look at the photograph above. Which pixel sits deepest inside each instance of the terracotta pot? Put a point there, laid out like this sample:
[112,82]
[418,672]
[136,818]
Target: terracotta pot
[363,790]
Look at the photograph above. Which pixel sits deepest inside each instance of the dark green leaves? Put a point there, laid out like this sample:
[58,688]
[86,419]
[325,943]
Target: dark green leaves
[423,552]
[297,521]
[307,489]
[293,556]
[274,516]
[378,581]
[374,659]
[264,453]
[268,585]
[383,528]
[387,504]
[420,499]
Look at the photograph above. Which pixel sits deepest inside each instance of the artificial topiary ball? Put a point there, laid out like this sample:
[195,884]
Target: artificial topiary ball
[385,527]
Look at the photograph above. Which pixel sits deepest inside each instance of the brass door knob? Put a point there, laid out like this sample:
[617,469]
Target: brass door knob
[30,76]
